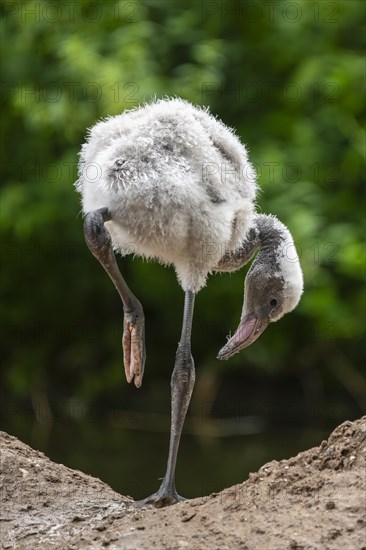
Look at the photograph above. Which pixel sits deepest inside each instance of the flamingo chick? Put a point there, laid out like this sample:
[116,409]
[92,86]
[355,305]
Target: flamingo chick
[172,183]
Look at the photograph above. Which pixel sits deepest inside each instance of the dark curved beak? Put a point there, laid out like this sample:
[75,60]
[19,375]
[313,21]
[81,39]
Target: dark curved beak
[249,329]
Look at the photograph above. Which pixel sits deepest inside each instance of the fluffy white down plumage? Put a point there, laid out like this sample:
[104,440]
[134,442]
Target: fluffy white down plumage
[178,184]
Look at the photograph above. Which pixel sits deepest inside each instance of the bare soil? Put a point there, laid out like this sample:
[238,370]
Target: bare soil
[315,500]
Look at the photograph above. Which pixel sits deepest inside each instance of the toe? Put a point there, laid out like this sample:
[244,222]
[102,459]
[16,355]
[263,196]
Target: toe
[134,347]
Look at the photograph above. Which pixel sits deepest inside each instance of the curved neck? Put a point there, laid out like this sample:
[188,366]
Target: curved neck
[267,234]
[278,253]
[273,237]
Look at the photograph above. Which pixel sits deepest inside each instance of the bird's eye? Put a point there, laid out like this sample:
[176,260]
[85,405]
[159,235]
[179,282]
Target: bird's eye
[273,302]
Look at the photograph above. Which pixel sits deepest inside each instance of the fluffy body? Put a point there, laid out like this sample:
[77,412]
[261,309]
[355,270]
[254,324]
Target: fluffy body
[177,182]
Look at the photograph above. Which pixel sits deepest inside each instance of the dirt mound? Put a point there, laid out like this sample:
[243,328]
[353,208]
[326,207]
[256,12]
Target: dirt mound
[315,500]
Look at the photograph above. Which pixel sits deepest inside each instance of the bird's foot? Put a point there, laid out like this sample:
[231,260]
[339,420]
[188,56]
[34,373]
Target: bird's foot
[133,343]
[162,498]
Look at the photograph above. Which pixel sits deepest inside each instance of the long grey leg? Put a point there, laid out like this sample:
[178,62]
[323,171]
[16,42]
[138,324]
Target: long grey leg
[182,383]
[100,244]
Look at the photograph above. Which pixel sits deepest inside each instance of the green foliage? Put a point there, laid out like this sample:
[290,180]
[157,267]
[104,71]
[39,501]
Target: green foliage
[289,79]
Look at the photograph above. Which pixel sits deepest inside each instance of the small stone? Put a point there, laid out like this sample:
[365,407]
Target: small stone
[188,517]
[77,518]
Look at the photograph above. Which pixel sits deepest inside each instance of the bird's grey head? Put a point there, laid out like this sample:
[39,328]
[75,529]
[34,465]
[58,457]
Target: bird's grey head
[273,287]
